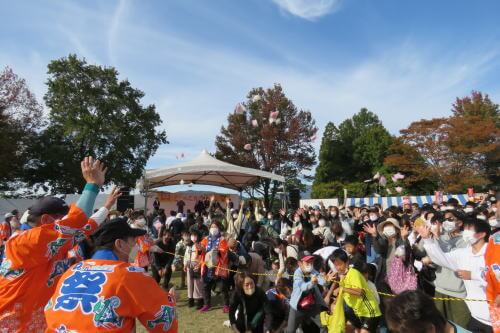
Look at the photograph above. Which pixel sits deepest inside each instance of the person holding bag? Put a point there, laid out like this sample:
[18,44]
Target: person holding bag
[306,301]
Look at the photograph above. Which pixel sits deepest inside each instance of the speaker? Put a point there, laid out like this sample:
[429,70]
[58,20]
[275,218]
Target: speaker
[125,201]
[294,197]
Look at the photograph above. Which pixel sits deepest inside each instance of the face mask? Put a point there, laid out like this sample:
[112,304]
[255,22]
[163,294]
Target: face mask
[468,237]
[131,253]
[194,239]
[321,223]
[494,209]
[389,231]
[333,214]
[235,216]
[214,232]
[468,210]
[434,228]
[269,217]
[373,218]
[308,268]
[140,222]
[428,222]
[296,219]
[448,225]
[481,217]
[332,266]
[249,291]
[493,222]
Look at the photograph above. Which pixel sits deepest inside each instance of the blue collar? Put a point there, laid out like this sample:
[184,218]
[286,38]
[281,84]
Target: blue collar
[105,254]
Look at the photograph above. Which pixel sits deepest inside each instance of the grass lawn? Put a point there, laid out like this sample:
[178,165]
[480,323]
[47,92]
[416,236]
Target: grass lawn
[191,320]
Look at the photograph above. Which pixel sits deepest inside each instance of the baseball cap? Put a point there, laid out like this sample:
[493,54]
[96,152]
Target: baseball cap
[8,215]
[307,258]
[49,205]
[114,229]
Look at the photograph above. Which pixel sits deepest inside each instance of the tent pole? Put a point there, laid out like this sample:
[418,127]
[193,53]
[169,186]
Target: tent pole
[284,196]
[145,195]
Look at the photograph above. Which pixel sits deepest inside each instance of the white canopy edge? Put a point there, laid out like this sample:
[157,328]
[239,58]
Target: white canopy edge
[207,170]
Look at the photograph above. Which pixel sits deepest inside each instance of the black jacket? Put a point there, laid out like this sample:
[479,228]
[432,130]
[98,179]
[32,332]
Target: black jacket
[255,305]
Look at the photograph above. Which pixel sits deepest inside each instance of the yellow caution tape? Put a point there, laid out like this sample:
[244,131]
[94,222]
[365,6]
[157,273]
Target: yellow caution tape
[368,290]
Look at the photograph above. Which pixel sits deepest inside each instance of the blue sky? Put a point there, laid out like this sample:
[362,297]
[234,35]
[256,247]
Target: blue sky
[404,60]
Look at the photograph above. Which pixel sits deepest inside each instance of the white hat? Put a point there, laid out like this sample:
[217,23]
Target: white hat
[179,215]
[8,215]
[391,220]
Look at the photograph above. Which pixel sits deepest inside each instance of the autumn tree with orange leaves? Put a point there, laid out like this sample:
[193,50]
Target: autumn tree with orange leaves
[454,153]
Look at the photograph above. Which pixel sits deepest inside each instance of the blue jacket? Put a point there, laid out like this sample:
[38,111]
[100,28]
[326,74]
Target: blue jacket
[300,285]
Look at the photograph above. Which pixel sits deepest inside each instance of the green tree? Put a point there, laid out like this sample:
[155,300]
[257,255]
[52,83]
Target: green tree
[271,135]
[352,152]
[330,155]
[92,112]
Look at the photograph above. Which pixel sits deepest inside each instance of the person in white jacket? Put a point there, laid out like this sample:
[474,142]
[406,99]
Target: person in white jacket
[468,264]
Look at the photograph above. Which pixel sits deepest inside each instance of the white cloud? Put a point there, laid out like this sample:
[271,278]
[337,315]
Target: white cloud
[196,84]
[309,9]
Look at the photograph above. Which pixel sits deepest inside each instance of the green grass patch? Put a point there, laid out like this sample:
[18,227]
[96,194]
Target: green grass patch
[190,319]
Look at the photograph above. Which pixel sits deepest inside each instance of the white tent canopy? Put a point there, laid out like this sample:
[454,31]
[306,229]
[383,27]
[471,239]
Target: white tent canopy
[207,170]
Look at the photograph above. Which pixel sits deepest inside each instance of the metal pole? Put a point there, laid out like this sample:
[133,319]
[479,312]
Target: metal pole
[145,194]
[285,201]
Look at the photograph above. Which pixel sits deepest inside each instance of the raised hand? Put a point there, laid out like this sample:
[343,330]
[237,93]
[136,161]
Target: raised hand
[112,197]
[242,203]
[93,171]
[371,229]
[282,212]
[424,231]
[212,198]
[228,200]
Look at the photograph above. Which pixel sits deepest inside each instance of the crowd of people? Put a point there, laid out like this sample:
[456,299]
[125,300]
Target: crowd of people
[429,268]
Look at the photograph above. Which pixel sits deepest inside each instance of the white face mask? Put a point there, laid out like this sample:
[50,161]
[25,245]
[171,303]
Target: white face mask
[140,222]
[321,223]
[468,237]
[448,225]
[308,268]
[468,210]
[235,216]
[434,228]
[481,217]
[373,218]
[214,231]
[333,214]
[296,219]
[132,253]
[249,291]
[332,266]
[269,217]
[194,239]
[389,231]
[493,222]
